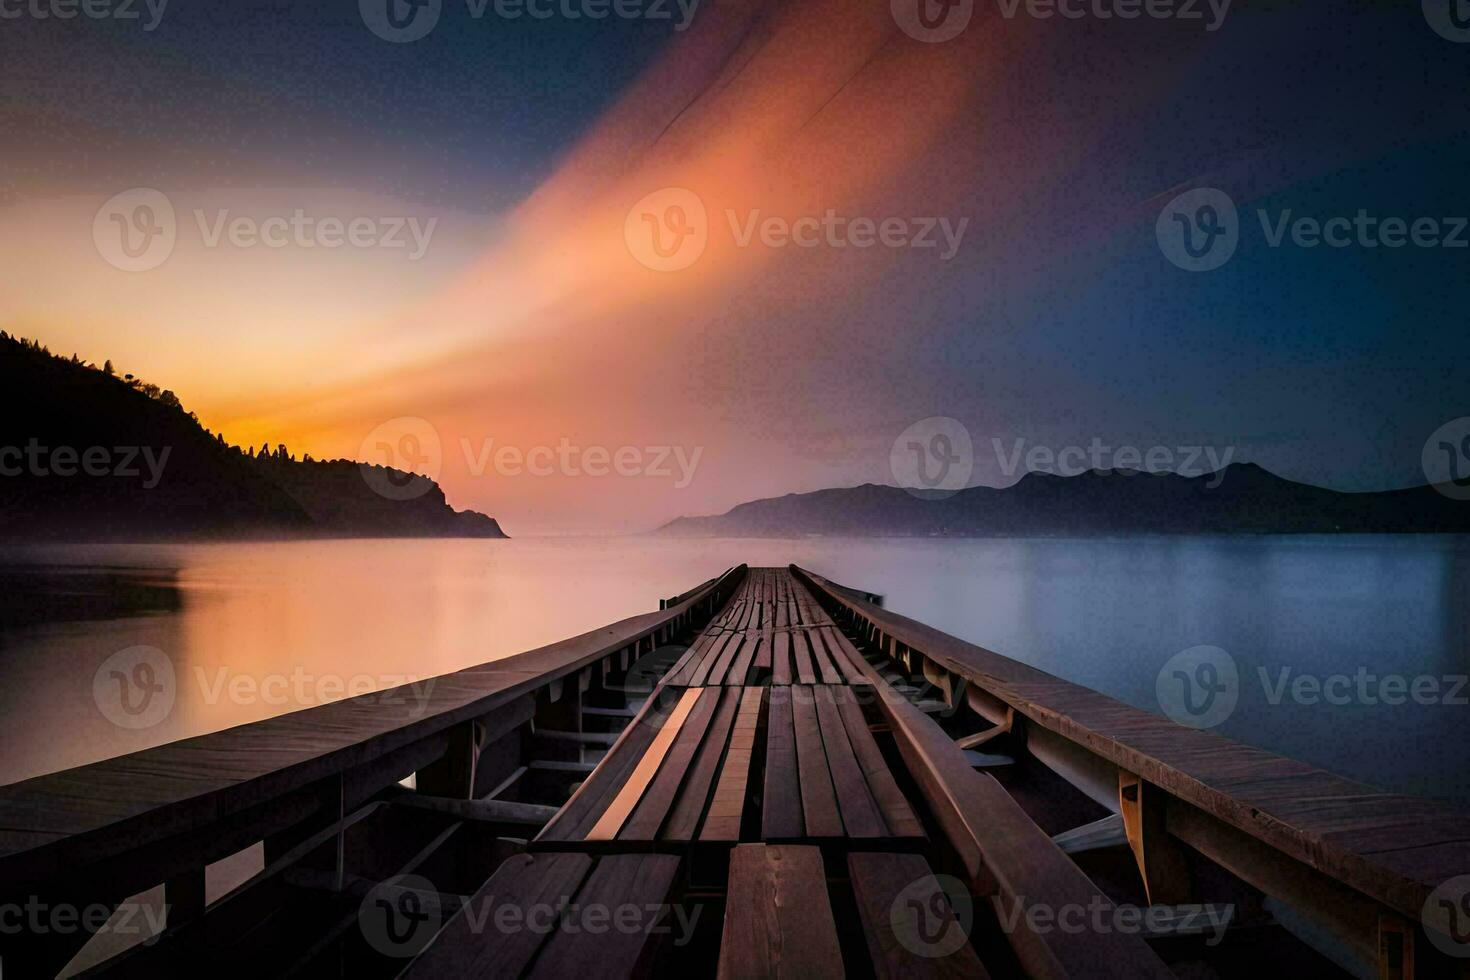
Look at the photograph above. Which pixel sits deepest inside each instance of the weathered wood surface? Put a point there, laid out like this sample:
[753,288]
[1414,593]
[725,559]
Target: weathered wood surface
[687,775]
[778,918]
[473,942]
[908,921]
[1394,848]
[631,890]
[56,823]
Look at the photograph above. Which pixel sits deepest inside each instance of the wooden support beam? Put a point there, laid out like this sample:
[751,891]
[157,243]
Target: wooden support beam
[453,774]
[1161,861]
[1107,832]
[1395,947]
[980,738]
[486,811]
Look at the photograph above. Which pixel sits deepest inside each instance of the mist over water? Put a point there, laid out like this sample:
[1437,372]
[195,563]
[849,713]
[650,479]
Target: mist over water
[254,630]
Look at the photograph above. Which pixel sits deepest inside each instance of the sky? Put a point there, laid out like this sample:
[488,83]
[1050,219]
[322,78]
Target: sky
[606,271]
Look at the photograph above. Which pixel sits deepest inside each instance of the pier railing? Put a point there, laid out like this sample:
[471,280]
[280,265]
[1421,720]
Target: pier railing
[100,833]
[1359,862]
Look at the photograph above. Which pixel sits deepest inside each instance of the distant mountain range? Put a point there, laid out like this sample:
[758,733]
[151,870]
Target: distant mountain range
[87,455]
[1243,499]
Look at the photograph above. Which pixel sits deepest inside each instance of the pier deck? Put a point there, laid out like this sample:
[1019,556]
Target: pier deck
[772,775]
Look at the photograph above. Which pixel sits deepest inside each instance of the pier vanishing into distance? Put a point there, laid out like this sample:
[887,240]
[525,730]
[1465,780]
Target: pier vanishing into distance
[771,775]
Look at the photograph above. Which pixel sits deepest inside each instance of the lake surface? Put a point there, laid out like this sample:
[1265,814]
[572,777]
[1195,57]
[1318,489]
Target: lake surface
[253,630]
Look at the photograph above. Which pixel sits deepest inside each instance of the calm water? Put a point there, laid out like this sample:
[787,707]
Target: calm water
[254,630]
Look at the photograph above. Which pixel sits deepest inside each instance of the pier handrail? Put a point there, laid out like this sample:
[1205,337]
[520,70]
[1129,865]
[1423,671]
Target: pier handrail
[119,825]
[1391,848]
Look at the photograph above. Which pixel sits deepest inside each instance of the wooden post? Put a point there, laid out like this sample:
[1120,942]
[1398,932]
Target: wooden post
[1395,947]
[453,774]
[183,897]
[1161,861]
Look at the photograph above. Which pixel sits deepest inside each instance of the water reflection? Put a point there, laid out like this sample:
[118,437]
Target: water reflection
[253,630]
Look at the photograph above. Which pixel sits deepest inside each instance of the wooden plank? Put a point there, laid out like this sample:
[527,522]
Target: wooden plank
[803,671]
[705,670]
[684,821]
[1008,855]
[818,798]
[465,947]
[781,803]
[909,924]
[683,671]
[721,671]
[613,929]
[648,817]
[618,811]
[845,654]
[587,804]
[855,802]
[763,652]
[741,667]
[898,816]
[728,804]
[778,918]
[826,669]
[781,661]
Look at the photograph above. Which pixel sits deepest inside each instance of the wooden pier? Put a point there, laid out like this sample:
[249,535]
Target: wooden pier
[771,775]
